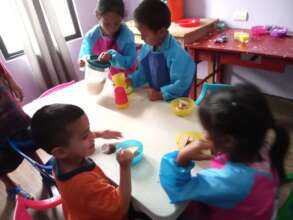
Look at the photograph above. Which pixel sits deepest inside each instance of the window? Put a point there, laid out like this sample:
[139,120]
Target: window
[10,44]
[10,30]
[67,18]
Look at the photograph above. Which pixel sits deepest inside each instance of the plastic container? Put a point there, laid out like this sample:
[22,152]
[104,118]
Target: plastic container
[132,143]
[176,8]
[242,37]
[182,106]
[190,136]
[258,30]
[188,22]
[121,99]
[95,75]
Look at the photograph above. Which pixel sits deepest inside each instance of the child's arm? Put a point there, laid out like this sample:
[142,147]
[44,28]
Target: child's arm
[124,158]
[182,72]
[87,45]
[194,151]
[108,134]
[138,77]
[14,88]
[124,60]
[224,188]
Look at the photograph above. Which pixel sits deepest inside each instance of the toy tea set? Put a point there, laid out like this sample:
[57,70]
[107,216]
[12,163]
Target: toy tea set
[96,73]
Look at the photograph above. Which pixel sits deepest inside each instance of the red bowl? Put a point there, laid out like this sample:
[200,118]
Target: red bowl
[188,22]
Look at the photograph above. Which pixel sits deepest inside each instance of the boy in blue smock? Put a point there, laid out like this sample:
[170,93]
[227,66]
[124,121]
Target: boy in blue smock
[163,63]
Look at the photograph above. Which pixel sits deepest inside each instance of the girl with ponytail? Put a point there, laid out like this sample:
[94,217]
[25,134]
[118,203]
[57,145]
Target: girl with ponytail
[248,165]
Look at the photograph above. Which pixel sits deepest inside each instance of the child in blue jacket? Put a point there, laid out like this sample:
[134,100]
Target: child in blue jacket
[110,39]
[163,63]
[243,180]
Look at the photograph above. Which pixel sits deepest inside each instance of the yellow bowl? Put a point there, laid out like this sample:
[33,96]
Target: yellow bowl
[182,138]
[175,106]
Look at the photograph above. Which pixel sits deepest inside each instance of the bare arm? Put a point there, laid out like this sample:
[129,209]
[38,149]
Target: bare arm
[124,158]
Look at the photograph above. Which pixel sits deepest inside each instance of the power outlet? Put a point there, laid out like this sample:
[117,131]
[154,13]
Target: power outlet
[240,15]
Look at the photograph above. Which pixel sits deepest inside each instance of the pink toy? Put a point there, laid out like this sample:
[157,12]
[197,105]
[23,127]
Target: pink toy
[259,30]
[121,99]
[22,204]
[56,88]
[188,22]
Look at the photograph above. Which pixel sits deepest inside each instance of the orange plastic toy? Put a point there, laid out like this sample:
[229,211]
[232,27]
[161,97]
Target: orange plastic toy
[177,9]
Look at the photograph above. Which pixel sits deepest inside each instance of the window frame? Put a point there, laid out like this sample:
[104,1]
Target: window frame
[77,34]
[6,54]
[73,14]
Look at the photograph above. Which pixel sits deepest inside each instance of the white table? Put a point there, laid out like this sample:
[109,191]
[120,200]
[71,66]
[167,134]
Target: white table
[153,123]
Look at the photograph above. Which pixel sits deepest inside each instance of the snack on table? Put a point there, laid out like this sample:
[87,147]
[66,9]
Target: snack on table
[108,148]
[182,104]
[133,149]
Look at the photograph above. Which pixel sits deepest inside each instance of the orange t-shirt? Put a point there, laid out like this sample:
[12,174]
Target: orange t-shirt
[89,195]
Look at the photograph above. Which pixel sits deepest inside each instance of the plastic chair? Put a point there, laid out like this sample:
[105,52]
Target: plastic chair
[286,211]
[22,204]
[209,87]
[56,88]
[44,170]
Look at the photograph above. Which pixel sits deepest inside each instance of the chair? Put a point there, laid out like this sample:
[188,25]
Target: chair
[209,87]
[56,88]
[22,204]
[44,170]
[286,211]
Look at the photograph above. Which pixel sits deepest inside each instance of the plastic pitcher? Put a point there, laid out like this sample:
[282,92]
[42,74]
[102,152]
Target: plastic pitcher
[95,75]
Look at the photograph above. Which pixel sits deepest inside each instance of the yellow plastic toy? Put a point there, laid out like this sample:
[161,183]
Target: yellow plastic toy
[121,99]
[120,80]
[182,106]
[187,137]
[243,37]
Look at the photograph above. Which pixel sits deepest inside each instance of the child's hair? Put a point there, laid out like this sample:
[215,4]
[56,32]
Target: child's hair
[154,14]
[49,126]
[115,6]
[242,112]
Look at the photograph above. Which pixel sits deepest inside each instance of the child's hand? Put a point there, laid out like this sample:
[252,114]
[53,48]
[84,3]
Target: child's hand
[129,82]
[124,158]
[15,89]
[154,95]
[105,57]
[108,134]
[82,62]
[195,151]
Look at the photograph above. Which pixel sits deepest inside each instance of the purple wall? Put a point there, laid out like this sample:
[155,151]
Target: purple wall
[20,67]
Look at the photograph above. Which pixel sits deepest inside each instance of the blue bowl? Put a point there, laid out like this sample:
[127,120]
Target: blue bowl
[131,143]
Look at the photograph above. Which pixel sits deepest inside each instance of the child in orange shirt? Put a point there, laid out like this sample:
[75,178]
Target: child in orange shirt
[63,130]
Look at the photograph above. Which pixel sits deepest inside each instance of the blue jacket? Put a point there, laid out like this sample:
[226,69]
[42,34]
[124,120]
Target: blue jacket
[123,50]
[180,69]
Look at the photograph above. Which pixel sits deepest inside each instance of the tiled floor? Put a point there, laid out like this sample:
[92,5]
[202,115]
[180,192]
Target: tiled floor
[31,181]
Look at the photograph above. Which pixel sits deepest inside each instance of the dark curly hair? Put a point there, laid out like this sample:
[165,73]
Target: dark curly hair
[154,14]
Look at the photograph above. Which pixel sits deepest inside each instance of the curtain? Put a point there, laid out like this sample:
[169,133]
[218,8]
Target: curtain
[44,44]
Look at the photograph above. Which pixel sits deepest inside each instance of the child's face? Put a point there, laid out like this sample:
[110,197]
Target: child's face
[81,141]
[110,23]
[151,37]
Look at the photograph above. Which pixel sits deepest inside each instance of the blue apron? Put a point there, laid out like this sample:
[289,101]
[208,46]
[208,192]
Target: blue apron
[156,70]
